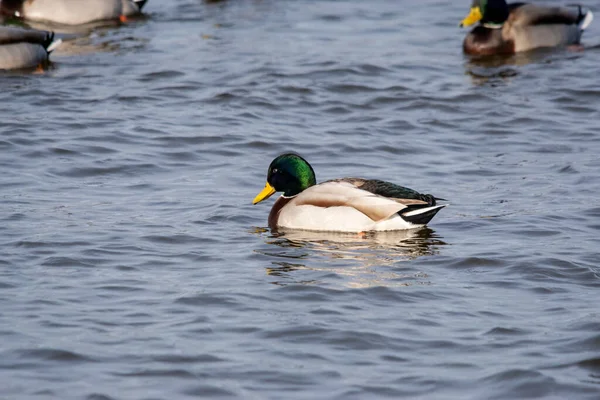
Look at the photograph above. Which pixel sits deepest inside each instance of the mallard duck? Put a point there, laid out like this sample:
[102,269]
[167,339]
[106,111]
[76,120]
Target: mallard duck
[71,12]
[510,28]
[341,205]
[25,48]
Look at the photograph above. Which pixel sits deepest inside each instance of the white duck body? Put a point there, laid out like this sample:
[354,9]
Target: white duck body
[71,12]
[340,206]
[24,48]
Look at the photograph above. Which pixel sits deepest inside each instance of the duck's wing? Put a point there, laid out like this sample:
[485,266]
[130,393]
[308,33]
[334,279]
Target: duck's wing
[531,26]
[392,191]
[531,14]
[12,35]
[342,193]
[420,208]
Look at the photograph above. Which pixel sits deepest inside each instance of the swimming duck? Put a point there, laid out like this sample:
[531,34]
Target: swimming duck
[510,28]
[341,205]
[25,48]
[71,12]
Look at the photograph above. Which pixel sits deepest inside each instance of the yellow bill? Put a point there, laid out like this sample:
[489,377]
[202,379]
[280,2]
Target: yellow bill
[264,194]
[474,16]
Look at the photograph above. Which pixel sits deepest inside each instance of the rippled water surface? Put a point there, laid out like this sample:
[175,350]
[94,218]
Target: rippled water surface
[134,266]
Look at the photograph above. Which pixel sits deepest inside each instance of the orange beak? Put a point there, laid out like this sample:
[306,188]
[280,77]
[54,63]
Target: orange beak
[123,18]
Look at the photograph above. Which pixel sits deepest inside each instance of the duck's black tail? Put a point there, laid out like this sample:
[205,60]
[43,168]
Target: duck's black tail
[421,215]
[584,19]
[587,19]
[140,3]
[50,44]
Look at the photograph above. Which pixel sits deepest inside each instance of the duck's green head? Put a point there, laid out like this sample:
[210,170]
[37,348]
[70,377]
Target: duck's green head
[289,173]
[494,12]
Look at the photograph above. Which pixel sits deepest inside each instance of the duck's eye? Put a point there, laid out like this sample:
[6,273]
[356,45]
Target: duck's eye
[275,170]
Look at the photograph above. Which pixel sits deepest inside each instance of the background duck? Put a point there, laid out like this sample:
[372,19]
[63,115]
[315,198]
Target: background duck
[341,205]
[509,28]
[25,48]
[71,12]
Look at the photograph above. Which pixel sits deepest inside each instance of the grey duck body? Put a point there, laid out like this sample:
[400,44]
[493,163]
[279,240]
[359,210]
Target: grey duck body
[24,48]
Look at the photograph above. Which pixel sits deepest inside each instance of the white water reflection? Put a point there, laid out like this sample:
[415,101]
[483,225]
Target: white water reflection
[361,259]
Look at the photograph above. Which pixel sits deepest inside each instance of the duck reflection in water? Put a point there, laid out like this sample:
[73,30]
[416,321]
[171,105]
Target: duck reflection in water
[361,260]
[502,68]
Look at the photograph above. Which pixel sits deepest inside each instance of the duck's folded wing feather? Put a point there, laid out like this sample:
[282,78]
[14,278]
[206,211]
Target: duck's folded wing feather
[531,14]
[411,202]
[386,189]
[345,194]
[11,35]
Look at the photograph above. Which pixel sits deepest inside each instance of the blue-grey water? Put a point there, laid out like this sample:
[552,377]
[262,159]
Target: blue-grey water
[134,266]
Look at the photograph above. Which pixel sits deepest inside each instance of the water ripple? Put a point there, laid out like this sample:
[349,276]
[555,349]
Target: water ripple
[135,266]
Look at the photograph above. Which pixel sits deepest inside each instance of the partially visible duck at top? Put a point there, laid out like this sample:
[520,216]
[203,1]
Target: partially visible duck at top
[71,12]
[510,28]
[25,48]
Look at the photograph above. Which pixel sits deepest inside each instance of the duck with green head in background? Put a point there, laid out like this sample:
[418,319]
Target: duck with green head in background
[510,28]
[341,205]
